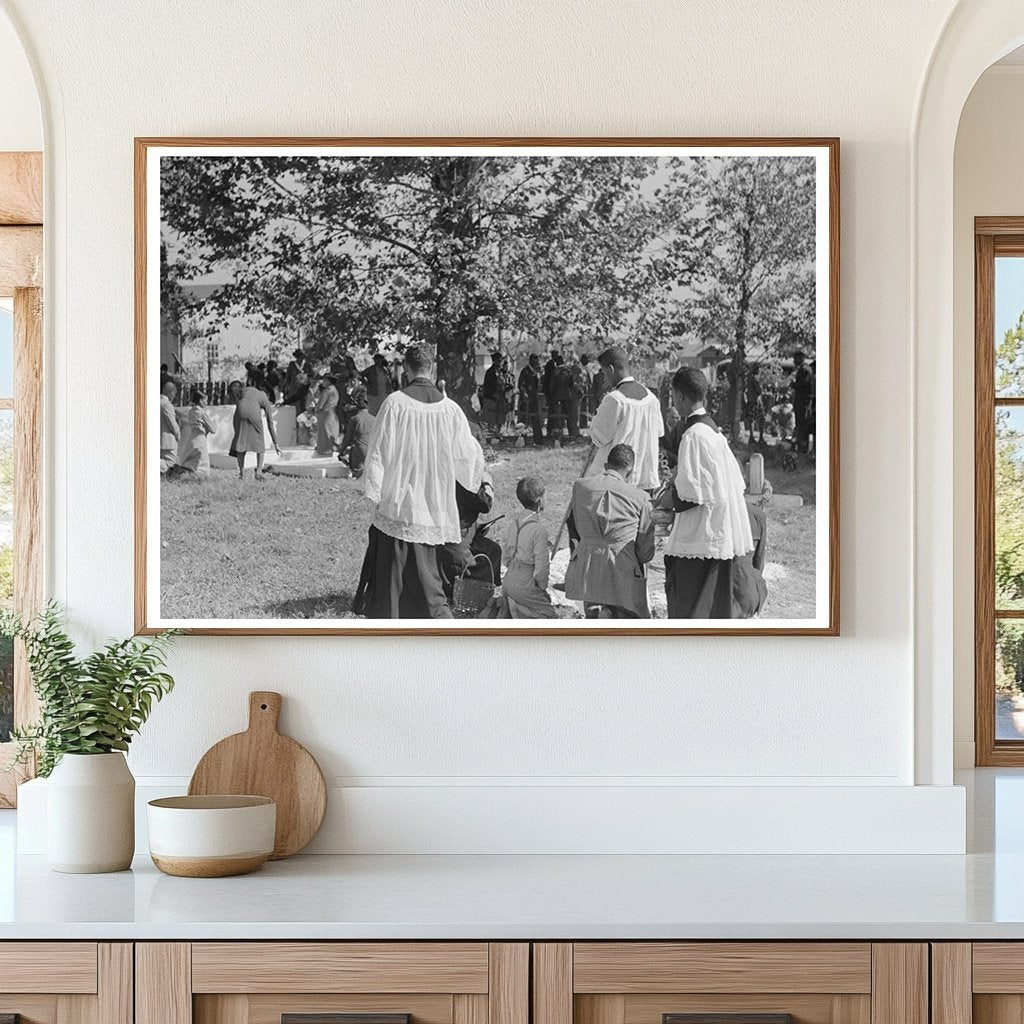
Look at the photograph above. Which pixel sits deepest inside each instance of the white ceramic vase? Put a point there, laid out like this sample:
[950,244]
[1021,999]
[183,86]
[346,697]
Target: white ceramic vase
[90,814]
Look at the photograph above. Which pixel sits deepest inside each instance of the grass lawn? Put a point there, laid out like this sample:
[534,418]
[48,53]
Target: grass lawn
[293,547]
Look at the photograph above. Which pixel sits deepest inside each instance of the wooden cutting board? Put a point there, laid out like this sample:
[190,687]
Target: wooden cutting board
[262,762]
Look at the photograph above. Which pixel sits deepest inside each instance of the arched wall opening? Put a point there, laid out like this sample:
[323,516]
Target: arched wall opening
[976,35]
[989,152]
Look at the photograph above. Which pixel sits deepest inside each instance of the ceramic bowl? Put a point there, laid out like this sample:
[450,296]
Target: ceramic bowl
[211,836]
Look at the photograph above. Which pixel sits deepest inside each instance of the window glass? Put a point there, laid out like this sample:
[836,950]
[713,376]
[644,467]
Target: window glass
[1009,679]
[1009,512]
[1009,327]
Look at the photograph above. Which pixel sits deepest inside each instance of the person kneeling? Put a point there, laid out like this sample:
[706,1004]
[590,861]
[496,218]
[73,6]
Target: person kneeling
[528,554]
[612,530]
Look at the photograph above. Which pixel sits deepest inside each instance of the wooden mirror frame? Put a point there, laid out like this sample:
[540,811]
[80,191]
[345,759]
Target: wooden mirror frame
[21,272]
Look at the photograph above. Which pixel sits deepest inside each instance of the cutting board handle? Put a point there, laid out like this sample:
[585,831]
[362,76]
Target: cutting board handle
[264,710]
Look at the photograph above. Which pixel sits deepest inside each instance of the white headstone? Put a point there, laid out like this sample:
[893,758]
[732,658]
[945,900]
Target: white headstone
[756,474]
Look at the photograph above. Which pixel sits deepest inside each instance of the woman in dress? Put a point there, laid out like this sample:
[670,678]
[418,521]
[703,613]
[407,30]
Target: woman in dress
[251,405]
[326,409]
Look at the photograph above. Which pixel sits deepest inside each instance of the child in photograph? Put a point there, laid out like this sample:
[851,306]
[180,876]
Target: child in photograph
[527,553]
[357,433]
[196,427]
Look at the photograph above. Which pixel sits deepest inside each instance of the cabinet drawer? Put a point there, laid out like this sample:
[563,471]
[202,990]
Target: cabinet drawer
[340,967]
[753,967]
[64,967]
[332,983]
[730,983]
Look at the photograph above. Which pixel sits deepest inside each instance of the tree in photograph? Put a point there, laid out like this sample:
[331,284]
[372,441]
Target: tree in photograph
[356,250]
[757,280]
[604,256]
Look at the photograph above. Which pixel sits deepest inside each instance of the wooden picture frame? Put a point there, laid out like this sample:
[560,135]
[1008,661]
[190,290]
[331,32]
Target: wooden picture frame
[994,237]
[826,617]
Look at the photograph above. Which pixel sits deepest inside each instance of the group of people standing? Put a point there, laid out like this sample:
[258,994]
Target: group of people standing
[560,396]
[334,401]
[787,409]
[426,476]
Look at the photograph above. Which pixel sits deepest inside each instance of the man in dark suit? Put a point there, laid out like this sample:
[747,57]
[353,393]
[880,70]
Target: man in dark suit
[803,401]
[531,380]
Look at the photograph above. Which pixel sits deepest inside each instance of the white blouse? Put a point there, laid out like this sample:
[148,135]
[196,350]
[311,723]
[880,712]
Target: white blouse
[709,474]
[633,421]
[416,453]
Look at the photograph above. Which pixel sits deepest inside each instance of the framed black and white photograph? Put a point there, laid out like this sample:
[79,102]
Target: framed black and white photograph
[487,386]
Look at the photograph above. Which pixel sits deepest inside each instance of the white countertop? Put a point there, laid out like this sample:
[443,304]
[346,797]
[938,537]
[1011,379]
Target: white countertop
[978,896]
[516,897]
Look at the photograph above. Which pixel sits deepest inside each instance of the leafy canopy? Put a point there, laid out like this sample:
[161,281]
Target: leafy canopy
[336,250]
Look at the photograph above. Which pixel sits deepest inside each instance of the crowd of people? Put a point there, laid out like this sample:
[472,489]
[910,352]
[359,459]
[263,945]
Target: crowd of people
[422,462]
[334,409]
[559,396]
[425,534]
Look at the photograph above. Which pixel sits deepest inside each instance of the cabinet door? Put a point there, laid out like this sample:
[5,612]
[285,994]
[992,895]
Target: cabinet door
[65,983]
[332,983]
[730,983]
[980,982]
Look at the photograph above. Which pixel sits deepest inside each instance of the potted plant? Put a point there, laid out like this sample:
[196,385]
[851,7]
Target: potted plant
[89,710]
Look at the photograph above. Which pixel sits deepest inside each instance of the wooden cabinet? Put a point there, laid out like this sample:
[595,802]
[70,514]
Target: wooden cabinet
[749,982]
[66,982]
[308,982]
[980,982]
[494,983]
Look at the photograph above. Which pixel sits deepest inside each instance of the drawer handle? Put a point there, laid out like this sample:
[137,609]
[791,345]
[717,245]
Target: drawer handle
[727,1018]
[339,1018]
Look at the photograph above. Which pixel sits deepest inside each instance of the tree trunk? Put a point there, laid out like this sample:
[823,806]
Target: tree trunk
[739,364]
[456,361]
[739,353]
[455,307]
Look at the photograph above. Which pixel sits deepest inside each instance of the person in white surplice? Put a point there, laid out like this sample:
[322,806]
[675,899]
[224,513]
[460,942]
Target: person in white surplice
[706,556]
[421,446]
[628,414]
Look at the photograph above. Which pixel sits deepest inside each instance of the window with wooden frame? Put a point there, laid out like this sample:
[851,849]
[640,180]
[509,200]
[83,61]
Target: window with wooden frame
[21,365]
[999,490]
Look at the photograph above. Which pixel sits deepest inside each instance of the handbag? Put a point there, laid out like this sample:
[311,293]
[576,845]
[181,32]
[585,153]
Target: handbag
[470,597]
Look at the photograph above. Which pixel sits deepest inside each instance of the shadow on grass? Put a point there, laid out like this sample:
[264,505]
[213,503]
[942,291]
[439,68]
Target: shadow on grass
[327,606]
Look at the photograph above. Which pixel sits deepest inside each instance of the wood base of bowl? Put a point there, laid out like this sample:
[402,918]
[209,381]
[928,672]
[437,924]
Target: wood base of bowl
[209,867]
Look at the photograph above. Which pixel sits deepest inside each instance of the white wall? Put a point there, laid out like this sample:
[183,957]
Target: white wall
[987,182]
[442,714]
[21,127]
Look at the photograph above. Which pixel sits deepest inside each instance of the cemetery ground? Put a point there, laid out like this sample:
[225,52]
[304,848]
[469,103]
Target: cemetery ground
[292,547]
